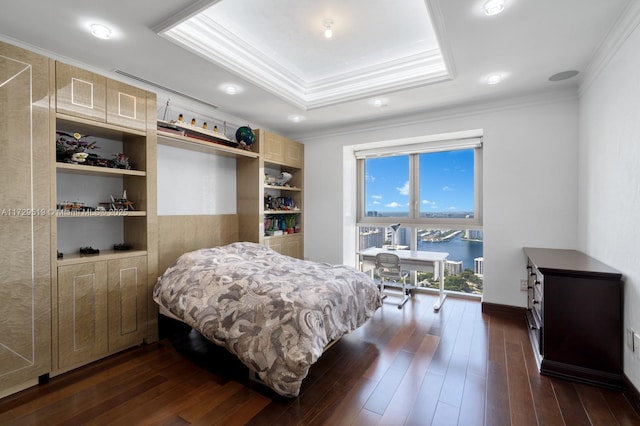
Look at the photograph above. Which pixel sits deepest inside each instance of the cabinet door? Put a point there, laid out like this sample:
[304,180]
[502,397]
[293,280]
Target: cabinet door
[126,105]
[80,93]
[274,148]
[289,245]
[127,302]
[25,271]
[82,313]
[281,150]
[292,246]
[294,154]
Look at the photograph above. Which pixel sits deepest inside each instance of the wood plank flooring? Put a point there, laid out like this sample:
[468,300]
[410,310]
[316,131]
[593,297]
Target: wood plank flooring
[409,366]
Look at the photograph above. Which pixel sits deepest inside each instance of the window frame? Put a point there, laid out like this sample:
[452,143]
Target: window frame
[413,151]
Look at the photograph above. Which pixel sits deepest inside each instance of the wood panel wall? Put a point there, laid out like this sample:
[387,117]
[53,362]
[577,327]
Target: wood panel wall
[180,234]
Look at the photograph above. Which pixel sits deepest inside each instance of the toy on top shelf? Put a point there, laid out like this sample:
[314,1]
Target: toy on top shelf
[245,137]
[278,181]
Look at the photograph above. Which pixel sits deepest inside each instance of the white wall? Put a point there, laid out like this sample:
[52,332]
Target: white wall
[530,186]
[609,183]
[195,183]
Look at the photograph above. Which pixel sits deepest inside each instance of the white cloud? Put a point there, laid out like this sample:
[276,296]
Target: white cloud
[377,197]
[404,190]
[447,189]
[452,208]
[394,205]
[376,203]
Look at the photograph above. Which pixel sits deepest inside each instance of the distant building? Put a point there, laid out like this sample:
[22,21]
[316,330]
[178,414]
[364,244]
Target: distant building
[473,234]
[371,237]
[478,266]
[453,267]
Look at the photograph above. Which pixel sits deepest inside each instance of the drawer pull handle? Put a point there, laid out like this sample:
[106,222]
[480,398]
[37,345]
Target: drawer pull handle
[537,282]
[535,302]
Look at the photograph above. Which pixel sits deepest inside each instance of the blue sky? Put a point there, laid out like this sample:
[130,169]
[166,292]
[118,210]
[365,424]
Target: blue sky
[446,182]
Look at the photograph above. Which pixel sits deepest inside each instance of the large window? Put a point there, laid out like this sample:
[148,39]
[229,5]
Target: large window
[434,190]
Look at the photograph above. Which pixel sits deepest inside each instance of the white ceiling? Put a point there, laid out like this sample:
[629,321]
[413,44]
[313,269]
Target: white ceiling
[527,43]
[281,47]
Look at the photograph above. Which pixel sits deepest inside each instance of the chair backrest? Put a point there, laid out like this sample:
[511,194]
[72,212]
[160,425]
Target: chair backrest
[388,265]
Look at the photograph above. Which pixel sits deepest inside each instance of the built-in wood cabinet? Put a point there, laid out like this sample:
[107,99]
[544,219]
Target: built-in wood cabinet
[102,308]
[25,272]
[575,312]
[280,150]
[80,93]
[84,94]
[102,302]
[82,313]
[278,154]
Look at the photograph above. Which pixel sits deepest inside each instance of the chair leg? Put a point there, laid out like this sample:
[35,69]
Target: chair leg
[382,294]
[406,294]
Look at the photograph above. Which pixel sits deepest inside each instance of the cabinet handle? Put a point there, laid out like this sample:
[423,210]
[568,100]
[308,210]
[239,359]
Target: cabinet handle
[535,302]
[536,282]
[533,274]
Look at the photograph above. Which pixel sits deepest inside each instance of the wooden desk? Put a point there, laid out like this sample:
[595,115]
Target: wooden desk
[414,260]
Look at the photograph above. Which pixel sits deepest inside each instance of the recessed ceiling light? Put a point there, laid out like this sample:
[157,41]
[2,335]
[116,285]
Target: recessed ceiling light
[230,89]
[378,102]
[328,28]
[564,75]
[296,118]
[494,79]
[493,7]
[100,31]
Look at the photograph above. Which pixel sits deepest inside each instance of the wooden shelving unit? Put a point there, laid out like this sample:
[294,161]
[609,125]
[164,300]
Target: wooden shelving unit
[101,303]
[277,154]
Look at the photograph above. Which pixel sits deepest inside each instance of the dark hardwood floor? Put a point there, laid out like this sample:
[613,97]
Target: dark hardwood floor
[409,366]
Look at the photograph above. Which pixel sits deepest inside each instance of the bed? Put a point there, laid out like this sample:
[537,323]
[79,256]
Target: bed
[275,313]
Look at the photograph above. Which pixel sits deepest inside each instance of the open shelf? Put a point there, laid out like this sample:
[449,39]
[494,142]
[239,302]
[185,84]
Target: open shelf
[80,169]
[95,128]
[91,214]
[77,258]
[283,188]
[185,142]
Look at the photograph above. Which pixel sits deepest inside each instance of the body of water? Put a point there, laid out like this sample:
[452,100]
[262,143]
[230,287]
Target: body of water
[458,249]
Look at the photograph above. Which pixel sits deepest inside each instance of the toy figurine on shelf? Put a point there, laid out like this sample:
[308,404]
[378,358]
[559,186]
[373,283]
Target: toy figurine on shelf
[89,250]
[121,161]
[123,203]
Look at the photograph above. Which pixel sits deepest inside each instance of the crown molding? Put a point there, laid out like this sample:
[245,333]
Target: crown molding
[205,37]
[445,113]
[622,29]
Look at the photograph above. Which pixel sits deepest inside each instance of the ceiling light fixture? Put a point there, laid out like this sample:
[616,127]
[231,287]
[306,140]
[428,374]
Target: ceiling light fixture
[296,118]
[494,79]
[230,89]
[378,102]
[328,28]
[100,31]
[493,7]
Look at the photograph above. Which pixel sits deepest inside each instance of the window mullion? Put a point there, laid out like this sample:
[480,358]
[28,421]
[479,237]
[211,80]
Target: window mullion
[414,186]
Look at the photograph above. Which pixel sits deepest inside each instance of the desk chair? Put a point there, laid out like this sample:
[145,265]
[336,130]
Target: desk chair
[389,269]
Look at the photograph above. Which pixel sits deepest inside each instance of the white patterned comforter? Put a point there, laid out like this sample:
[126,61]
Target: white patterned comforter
[274,312]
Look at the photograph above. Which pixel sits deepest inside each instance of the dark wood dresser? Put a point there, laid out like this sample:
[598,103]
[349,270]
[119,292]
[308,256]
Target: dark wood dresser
[575,316]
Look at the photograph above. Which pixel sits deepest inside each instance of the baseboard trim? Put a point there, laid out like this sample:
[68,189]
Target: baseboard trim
[632,394]
[504,310]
